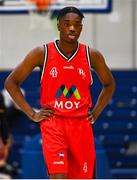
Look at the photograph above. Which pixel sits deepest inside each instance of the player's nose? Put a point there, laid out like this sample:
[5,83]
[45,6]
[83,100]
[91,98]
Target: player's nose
[72,28]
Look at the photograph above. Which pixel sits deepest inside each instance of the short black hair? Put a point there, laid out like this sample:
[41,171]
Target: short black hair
[69,9]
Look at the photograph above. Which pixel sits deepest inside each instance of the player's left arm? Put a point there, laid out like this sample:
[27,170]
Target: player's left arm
[107,81]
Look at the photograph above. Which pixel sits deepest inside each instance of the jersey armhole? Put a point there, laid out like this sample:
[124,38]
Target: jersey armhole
[89,63]
[45,60]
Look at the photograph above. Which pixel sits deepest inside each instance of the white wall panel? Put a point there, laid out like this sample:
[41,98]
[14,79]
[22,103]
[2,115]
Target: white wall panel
[114,35]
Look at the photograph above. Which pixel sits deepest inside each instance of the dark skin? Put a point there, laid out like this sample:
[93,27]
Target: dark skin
[70,27]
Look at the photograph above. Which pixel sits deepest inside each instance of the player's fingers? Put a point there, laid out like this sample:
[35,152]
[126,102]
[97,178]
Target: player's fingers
[47,113]
[91,118]
[90,115]
[48,108]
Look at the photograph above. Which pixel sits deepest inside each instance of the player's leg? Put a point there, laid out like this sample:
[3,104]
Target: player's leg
[54,149]
[81,158]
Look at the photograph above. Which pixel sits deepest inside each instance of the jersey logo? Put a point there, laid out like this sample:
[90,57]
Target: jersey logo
[61,155]
[68,67]
[82,73]
[53,72]
[68,93]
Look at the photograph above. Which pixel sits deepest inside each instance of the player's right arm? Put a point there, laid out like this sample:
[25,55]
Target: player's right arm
[35,58]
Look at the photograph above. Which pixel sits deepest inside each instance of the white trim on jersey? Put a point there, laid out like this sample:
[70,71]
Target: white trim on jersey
[89,63]
[45,61]
[67,58]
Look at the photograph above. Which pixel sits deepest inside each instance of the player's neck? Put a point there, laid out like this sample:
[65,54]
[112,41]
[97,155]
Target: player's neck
[67,48]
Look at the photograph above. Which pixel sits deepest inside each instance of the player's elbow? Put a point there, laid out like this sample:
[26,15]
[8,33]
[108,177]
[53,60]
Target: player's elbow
[112,85]
[8,84]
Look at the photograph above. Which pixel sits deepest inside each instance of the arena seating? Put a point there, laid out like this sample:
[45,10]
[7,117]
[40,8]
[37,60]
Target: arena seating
[115,130]
[117,125]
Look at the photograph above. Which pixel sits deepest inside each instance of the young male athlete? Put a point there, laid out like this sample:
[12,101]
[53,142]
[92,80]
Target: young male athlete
[65,116]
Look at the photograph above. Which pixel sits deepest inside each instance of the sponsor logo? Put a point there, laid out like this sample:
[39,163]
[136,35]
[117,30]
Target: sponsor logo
[68,67]
[67,105]
[53,72]
[58,162]
[68,93]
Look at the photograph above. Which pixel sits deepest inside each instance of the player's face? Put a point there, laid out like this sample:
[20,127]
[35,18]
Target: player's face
[70,27]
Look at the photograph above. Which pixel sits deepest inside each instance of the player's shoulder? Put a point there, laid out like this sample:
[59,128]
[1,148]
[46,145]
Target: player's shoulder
[95,53]
[96,56]
[38,49]
[39,53]
[50,43]
[92,51]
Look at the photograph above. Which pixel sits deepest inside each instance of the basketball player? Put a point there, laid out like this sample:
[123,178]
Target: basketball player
[66,115]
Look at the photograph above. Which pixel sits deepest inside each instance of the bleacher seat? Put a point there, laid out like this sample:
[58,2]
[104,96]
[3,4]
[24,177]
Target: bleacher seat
[32,159]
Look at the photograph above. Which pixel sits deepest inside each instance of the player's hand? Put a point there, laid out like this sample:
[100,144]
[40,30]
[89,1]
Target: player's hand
[44,113]
[91,117]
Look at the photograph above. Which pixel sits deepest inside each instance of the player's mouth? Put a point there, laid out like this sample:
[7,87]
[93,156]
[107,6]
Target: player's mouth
[71,36]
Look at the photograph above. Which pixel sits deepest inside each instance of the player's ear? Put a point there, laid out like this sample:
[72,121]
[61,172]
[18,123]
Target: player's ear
[58,26]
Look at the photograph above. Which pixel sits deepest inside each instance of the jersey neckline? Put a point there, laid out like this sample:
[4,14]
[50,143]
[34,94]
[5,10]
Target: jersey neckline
[63,55]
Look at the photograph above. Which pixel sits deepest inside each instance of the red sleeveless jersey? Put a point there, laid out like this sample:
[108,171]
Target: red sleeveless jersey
[65,82]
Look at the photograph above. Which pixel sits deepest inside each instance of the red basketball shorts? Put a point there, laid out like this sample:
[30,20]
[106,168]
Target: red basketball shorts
[68,147]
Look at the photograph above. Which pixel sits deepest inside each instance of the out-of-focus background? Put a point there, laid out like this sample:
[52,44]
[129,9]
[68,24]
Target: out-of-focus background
[109,26]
